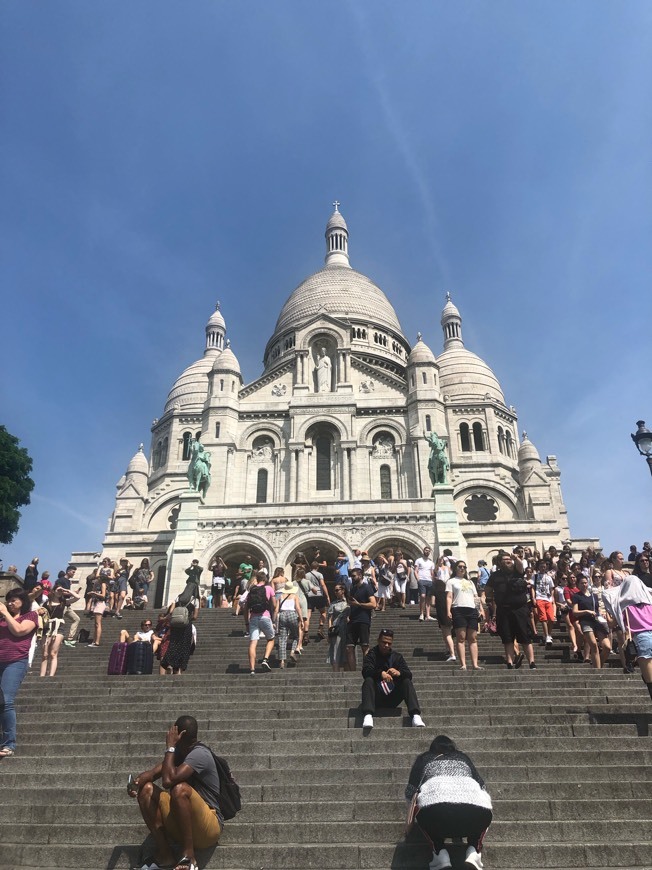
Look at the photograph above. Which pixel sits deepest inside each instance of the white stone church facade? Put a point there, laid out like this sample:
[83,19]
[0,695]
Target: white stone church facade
[328,448]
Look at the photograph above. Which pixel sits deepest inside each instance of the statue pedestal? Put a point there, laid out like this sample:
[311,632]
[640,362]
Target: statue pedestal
[448,534]
[181,552]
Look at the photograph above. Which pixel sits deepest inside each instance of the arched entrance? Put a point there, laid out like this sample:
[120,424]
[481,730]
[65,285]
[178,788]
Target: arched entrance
[396,542]
[319,550]
[234,554]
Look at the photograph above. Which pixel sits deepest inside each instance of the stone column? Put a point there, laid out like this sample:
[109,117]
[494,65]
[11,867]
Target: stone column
[300,474]
[344,461]
[182,549]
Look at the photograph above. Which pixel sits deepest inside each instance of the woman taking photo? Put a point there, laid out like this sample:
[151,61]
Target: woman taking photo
[97,597]
[53,636]
[448,800]
[338,613]
[17,624]
[463,612]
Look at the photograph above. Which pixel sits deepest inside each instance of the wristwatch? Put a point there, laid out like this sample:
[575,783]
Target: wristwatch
[171,749]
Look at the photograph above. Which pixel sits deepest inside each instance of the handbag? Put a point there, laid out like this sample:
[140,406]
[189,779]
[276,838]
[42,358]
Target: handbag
[631,653]
[180,617]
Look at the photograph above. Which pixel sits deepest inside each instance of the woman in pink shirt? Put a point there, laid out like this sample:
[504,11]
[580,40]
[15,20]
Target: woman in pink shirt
[630,604]
[17,623]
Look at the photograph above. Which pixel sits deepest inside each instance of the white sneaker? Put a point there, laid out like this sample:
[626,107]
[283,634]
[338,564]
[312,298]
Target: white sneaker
[451,659]
[431,619]
[548,640]
[473,859]
[421,618]
[368,721]
[442,861]
[417,721]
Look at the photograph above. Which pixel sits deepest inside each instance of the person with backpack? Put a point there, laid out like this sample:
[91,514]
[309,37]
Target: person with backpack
[199,794]
[261,605]
[182,635]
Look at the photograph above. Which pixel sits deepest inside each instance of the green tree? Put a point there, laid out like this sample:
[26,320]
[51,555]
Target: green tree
[15,483]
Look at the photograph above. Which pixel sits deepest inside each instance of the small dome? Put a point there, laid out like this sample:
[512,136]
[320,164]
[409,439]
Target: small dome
[216,321]
[449,310]
[191,387]
[139,463]
[227,362]
[336,222]
[421,353]
[527,452]
[462,374]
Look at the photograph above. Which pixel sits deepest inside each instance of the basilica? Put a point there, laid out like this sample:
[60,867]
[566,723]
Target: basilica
[329,446]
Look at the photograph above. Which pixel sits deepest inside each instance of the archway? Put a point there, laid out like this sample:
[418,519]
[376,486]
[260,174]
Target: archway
[237,552]
[322,550]
[396,542]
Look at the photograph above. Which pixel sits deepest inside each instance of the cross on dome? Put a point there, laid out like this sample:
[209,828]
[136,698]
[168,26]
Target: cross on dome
[336,205]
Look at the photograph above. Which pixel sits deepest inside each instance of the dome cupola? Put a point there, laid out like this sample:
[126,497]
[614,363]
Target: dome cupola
[451,322]
[227,361]
[337,239]
[139,463]
[215,330]
[421,354]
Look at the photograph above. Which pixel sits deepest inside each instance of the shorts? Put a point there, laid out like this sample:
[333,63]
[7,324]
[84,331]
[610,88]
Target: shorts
[99,607]
[425,588]
[546,611]
[514,624]
[260,625]
[441,609]
[599,629]
[466,617]
[400,585]
[206,826]
[122,585]
[643,644]
[316,602]
[357,633]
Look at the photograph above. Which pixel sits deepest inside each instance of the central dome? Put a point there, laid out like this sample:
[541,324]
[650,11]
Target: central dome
[342,292]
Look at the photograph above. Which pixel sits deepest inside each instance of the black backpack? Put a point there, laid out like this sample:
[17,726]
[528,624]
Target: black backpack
[257,599]
[229,798]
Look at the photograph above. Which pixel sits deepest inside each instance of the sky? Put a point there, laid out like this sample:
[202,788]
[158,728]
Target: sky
[158,156]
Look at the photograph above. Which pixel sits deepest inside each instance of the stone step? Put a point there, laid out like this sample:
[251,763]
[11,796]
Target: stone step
[590,856]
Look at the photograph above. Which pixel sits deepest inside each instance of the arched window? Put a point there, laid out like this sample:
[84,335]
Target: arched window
[217,430]
[465,439]
[385,482]
[424,377]
[478,437]
[323,448]
[156,459]
[261,486]
[509,444]
[164,451]
[428,423]
[187,439]
[501,439]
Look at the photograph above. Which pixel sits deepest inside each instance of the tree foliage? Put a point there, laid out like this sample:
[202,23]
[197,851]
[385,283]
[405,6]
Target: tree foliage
[15,483]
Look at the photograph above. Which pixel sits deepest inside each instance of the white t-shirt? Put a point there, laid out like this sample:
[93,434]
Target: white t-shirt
[463,592]
[145,636]
[424,569]
[543,588]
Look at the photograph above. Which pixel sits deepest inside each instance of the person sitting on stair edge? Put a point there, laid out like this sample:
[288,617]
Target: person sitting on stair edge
[387,681]
[188,811]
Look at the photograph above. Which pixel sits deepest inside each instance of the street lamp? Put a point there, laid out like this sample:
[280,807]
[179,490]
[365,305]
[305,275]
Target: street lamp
[643,440]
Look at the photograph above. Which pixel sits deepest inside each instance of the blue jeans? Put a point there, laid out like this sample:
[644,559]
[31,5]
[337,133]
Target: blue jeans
[11,676]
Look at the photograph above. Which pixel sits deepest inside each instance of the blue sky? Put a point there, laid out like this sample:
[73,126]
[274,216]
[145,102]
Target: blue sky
[158,156]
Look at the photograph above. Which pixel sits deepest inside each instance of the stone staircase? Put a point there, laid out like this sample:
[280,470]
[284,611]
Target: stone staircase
[564,749]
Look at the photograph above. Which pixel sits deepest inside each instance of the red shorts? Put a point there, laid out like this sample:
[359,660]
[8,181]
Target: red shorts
[546,611]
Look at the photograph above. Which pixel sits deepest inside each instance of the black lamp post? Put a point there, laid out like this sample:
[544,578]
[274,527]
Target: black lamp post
[643,440]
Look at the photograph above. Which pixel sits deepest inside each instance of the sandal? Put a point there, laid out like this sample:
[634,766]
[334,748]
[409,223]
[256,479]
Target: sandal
[186,864]
[6,752]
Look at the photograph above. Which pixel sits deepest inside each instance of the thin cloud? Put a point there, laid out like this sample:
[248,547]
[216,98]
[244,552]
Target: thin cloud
[396,128]
[66,509]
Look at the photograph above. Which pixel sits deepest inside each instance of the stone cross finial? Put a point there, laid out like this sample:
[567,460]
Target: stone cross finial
[141,447]
[524,435]
[228,342]
[418,336]
[448,296]
[217,306]
[336,204]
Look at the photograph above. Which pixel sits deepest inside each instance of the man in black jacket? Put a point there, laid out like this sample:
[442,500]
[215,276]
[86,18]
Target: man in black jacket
[508,589]
[387,681]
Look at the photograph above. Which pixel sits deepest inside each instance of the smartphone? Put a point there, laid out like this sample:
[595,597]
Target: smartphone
[131,785]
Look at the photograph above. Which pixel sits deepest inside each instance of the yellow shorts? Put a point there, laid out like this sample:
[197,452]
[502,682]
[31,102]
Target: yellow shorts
[206,827]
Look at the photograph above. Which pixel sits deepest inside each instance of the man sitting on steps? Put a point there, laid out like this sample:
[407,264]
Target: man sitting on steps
[387,681]
[188,811]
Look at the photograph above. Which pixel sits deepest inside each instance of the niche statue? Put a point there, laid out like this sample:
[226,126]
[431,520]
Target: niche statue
[199,468]
[323,369]
[438,464]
